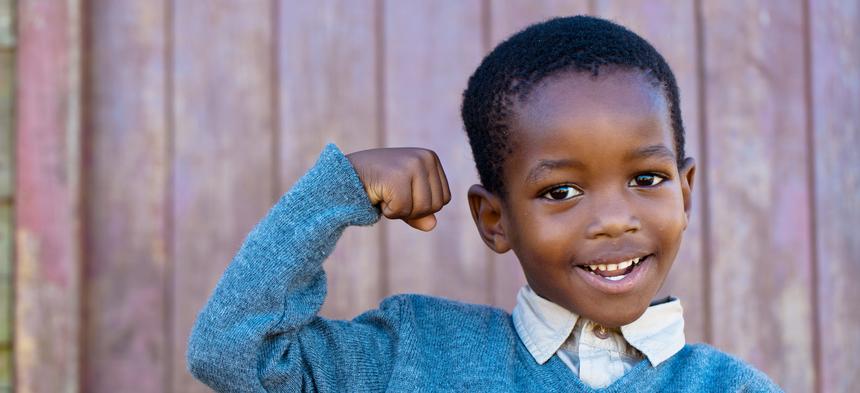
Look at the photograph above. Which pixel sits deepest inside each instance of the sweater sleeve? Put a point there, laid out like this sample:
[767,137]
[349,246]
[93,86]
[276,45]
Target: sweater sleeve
[259,330]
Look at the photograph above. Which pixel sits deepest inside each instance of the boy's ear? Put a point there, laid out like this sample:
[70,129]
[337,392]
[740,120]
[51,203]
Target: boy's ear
[688,174]
[486,210]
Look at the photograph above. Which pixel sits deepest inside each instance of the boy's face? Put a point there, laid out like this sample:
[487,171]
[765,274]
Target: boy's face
[592,180]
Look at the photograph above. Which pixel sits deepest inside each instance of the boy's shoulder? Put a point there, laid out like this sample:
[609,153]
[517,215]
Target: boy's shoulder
[440,315]
[714,364]
[418,305]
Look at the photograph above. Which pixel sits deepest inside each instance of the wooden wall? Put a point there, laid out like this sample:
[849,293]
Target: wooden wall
[152,135]
[7,91]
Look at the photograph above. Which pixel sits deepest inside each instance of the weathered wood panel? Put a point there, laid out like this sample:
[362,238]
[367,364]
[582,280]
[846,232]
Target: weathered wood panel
[6,284]
[835,82]
[7,24]
[670,27]
[327,80]
[47,197]
[223,163]
[126,309]
[757,177]
[506,19]
[430,50]
[7,91]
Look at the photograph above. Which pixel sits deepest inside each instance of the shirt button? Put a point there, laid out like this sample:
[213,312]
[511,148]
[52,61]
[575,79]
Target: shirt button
[601,332]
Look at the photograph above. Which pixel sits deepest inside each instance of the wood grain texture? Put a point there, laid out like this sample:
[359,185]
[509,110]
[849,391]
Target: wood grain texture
[758,182]
[47,187]
[507,18]
[127,206]
[835,63]
[670,27]
[223,163]
[327,64]
[431,48]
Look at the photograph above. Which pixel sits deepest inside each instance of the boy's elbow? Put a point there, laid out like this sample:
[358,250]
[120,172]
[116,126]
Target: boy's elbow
[202,362]
[199,366]
[210,363]
[217,370]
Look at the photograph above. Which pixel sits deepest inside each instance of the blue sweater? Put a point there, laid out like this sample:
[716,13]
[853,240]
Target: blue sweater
[260,332]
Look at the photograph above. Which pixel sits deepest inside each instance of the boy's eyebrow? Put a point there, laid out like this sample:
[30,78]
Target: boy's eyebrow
[544,166]
[656,151]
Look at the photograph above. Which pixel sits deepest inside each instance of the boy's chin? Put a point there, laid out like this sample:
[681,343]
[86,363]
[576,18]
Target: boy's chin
[618,317]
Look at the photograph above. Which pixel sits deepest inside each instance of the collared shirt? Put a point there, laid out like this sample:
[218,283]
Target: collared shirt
[598,355]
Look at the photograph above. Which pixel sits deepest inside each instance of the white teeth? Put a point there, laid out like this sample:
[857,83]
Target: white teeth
[615,266]
[616,278]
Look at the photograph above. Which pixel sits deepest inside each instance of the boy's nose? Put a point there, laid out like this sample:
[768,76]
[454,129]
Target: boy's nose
[612,219]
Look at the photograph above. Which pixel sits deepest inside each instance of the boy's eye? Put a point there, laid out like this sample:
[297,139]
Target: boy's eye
[646,180]
[561,193]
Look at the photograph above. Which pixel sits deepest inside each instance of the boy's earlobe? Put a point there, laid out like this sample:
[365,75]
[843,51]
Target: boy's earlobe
[688,174]
[486,210]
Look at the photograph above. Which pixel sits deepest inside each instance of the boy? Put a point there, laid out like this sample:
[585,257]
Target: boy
[576,131]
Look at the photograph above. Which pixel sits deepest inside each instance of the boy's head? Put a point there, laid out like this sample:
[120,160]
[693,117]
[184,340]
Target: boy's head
[576,131]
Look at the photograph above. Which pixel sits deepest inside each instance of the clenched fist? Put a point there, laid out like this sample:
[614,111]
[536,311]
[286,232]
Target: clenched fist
[407,183]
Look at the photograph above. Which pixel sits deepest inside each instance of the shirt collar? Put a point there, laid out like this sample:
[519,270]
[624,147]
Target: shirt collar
[544,326]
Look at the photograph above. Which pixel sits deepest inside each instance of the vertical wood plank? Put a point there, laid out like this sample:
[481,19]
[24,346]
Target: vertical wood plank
[431,48]
[7,24]
[47,187]
[757,177]
[7,89]
[670,27]
[835,63]
[126,208]
[506,19]
[223,142]
[6,297]
[327,61]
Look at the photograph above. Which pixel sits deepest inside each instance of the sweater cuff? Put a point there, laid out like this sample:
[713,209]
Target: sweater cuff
[333,181]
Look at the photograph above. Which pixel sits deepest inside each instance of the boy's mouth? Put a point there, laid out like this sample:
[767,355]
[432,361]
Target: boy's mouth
[614,271]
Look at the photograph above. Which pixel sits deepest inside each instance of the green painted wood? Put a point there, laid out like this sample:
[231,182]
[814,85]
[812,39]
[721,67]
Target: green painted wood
[47,197]
[7,89]
[7,92]
[758,184]
[328,92]
[507,18]
[670,27]
[431,48]
[835,62]
[7,24]
[223,163]
[127,183]
[6,295]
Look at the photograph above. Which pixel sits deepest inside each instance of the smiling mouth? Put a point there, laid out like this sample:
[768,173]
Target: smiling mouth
[614,271]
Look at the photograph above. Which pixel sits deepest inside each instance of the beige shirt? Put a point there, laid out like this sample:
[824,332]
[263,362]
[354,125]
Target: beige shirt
[599,356]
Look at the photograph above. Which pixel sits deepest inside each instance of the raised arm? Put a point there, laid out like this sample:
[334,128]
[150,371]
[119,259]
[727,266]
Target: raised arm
[260,331]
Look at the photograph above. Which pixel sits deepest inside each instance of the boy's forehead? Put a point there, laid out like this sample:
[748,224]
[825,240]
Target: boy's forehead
[581,96]
[615,105]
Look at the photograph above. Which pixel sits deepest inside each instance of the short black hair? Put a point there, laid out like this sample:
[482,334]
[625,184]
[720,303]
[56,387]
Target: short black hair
[577,43]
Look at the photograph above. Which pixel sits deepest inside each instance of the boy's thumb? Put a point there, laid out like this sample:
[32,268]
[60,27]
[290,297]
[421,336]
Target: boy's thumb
[426,223]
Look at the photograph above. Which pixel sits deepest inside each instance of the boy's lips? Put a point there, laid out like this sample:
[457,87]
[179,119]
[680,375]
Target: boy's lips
[622,281]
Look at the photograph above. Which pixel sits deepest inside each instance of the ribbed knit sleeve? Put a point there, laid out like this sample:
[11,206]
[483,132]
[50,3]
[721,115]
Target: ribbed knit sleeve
[259,330]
